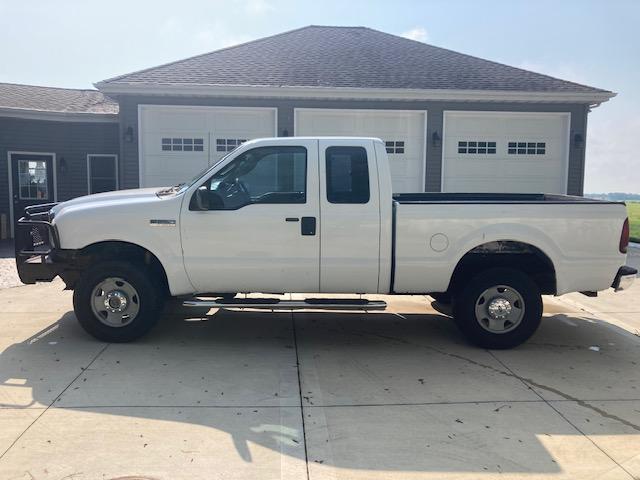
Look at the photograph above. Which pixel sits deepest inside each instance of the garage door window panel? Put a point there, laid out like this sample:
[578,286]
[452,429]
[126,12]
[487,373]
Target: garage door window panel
[477,147]
[228,144]
[175,144]
[266,175]
[527,148]
[394,146]
[347,175]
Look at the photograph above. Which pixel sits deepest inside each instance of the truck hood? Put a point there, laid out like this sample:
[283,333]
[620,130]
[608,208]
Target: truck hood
[100,199]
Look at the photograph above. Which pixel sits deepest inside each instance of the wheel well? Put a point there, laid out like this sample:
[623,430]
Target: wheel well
[116,250]
[506,253]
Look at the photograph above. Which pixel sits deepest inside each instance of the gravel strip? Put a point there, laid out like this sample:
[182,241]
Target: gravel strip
[8,272]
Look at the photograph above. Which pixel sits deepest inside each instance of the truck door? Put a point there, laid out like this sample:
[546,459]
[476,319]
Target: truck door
[350,213]
[258,229]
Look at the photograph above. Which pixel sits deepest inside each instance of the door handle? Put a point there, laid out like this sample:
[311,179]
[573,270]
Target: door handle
[308,226]
[292,219]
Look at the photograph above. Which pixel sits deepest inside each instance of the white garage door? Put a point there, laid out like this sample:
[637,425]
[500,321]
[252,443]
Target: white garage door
[177,142]
[402,131]
[505,152]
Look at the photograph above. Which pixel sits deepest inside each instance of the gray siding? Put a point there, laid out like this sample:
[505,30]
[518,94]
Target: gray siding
[69,140]
[129,118]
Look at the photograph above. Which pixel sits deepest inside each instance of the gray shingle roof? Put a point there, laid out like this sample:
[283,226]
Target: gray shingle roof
[357,57]
[58,100]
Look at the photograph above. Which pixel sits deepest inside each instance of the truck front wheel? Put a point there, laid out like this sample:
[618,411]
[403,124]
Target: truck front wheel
[499,308]
[116,301]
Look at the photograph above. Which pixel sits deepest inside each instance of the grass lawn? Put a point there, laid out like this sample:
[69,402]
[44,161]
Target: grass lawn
[634,220]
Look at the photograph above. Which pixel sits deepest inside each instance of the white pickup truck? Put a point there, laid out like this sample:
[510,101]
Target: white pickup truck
[317,216]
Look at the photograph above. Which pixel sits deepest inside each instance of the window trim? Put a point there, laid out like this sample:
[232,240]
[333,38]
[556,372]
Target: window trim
[326,174]
[210,177]
[104,155]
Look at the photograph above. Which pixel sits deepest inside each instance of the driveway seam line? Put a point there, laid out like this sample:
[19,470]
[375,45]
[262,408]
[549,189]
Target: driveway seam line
[560,413]
[304,432]
[82,370]
[337,405]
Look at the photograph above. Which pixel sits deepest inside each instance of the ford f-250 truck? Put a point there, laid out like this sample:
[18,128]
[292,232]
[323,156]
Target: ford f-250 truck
[317,215]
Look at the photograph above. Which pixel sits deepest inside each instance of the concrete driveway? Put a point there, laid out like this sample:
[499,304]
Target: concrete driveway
[315,395]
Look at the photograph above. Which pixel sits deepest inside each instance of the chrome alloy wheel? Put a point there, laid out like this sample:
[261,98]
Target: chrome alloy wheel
[499,309]
[115,302]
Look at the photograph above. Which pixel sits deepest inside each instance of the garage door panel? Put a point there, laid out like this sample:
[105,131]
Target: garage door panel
[502,168]
[161,165]
[506,185]
[174,121]
[544,171]
[407,168]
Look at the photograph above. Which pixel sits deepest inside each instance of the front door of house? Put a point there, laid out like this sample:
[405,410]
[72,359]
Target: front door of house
[32,180]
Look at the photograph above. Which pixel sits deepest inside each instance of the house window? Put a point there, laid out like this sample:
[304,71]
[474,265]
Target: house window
[182,144]
[527,148]
[102,173]
[477,147]
[394,146]
[228,144]
[32,180]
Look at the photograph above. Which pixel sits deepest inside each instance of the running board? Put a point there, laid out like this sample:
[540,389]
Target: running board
[277,304]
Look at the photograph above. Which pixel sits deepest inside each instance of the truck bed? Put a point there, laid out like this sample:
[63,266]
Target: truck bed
[531,198]
[432,231]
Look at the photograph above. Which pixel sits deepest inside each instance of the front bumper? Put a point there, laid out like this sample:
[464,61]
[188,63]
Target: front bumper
[624,278]
[36,241]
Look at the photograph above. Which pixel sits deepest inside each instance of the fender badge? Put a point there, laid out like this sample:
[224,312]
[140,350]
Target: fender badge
[156,222]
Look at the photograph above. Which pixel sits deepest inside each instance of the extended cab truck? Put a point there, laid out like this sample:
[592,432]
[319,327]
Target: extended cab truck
[317,215]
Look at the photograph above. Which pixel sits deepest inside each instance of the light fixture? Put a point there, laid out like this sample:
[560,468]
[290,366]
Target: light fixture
[128,134]
[63,165]
[578,140]
[435,139]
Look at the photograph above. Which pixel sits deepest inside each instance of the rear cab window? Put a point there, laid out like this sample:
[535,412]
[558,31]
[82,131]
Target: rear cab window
[347,175]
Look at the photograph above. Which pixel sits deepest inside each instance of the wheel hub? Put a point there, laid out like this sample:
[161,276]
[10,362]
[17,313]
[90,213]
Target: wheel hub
[499,308]
[116,301]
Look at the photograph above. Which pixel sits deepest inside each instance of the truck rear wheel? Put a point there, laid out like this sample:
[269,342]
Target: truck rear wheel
[499,308]
[116,301]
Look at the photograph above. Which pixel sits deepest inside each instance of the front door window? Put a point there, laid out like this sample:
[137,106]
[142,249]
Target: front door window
[32,180]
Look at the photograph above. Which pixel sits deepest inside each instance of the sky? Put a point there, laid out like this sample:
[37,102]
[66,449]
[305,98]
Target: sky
[74,43]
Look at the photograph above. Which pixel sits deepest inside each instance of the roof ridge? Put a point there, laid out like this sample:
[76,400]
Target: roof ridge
[230,47]
[486,60]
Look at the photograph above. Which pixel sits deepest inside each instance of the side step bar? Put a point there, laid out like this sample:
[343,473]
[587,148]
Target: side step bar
[277,304]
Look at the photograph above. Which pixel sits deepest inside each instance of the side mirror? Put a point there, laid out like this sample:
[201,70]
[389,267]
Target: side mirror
[200,199]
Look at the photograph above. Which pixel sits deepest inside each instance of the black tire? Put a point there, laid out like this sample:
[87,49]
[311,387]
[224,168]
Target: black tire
[148,298]
[469,297]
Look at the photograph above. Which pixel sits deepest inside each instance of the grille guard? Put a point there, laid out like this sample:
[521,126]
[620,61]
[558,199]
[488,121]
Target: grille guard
[35,240]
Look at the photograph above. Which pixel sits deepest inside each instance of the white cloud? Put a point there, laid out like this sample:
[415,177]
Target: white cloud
[258,7]
[417,33]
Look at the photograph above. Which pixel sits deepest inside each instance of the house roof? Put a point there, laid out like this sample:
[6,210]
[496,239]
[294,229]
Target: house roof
[346,58]
[49,102]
